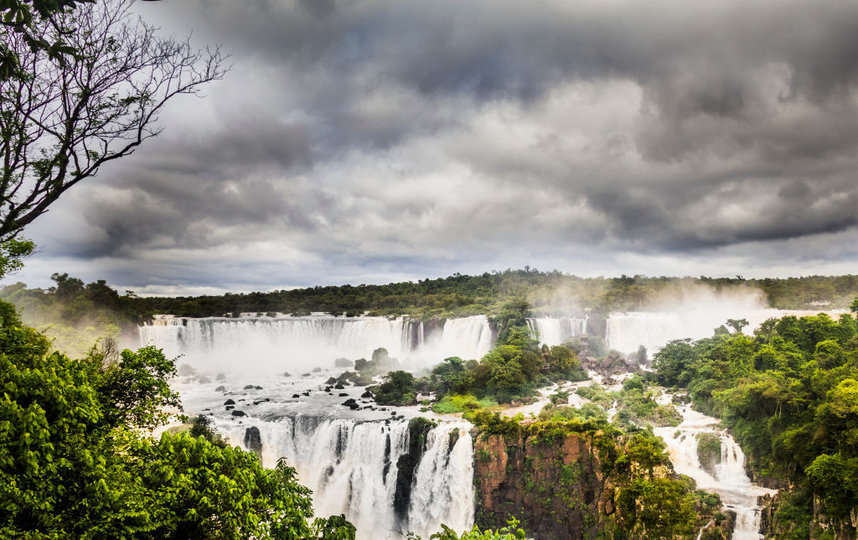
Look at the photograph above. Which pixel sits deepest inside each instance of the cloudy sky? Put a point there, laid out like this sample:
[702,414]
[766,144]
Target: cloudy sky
[365,141]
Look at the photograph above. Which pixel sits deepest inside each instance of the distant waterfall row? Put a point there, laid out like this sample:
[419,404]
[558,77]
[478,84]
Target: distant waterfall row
[302,343]
[654,329]
[352,466]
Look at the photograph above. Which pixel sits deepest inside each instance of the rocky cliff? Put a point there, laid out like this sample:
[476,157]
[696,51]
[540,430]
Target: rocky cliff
[564,481]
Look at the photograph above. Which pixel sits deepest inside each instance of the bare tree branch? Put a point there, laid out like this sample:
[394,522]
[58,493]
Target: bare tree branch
[60,121]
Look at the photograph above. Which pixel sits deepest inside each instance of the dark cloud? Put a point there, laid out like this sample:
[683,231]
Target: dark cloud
[375,138]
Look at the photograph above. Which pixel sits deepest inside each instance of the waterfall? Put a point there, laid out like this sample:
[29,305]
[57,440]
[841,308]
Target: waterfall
[440,495]
[270,344]
[557,330]
[351,467]
[729,479]
[653,329]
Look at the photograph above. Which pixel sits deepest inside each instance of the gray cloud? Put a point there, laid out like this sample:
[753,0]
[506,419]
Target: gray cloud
[361,138]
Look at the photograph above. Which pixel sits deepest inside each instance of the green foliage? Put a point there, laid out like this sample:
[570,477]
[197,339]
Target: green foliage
[561,363]
[451,376]
[511,532]
[493,423]
[134,391]
[75,315]
[18,17]
[194,489]
[513,369]
[397,389]
[596,394]
[658,507]
[457,403]
[502,295]
[708,451]
[836,479]
[790,396]
[11,252]
[637,406]
[74,462]
[587,411]
[333,528]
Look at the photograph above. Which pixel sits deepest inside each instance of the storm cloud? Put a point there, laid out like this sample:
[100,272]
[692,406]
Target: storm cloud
[364,140]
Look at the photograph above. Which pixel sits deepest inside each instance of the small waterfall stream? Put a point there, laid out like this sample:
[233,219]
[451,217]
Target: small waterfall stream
[729,479]
[557,330]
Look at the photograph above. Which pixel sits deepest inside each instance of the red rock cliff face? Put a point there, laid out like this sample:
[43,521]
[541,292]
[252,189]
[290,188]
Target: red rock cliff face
[557,490]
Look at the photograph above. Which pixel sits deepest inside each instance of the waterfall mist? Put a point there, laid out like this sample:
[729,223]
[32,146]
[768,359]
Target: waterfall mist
[274,344]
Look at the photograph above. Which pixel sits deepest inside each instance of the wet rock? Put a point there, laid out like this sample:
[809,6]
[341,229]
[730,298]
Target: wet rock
[287,374]
[249,387]
[367,394]
[220,376]
[317,370]
[186,371]
[343,363]
[296,396]
[418,428]
[239,413]
[230,407]
[203,380]
[305,374]
[351,404]
[229,402]
[220,389]
[344,394]
[307,393]
[253,440]
[339,386]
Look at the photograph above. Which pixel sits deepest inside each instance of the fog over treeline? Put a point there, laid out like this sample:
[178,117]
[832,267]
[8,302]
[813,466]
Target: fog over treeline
[546,293]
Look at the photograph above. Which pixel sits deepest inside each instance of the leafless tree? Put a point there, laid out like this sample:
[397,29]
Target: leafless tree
[61,120]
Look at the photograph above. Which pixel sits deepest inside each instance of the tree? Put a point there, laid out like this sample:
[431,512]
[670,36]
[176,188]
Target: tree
[853,307]
[397,389]
[737,324]
[18,16]
[62,119]
[75,460]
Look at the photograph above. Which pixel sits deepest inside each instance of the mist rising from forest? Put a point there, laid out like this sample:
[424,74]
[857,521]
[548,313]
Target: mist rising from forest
[700,297]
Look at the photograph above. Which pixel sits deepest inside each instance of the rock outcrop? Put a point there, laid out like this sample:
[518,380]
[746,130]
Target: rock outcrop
[556,490]
[563,485]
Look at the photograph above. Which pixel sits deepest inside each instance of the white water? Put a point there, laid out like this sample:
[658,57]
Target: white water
[557,330]
[653,329]
[272,344]
[351,466]
[729,481]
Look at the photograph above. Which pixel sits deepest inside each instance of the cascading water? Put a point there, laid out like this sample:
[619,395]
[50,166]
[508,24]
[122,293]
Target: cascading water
[729,479]
[557,330]
[351,466]
[653,329]
[267,344]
